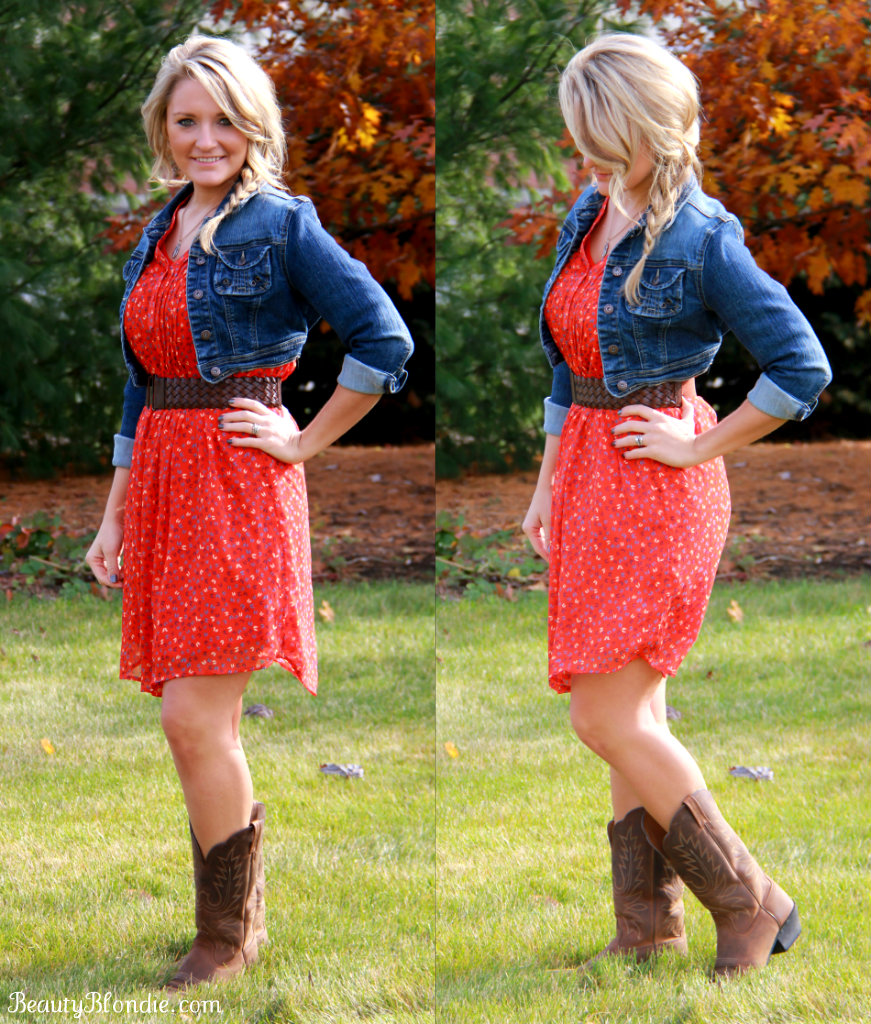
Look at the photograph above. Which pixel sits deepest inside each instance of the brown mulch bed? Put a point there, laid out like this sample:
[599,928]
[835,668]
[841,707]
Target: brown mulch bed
[797,509]
[372,510]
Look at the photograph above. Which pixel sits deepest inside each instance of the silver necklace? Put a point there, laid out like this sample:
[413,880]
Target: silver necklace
[184,238]
[620,233]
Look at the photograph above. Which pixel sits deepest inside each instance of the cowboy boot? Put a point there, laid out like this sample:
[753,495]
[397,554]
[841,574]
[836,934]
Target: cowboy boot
[256,904]
[224,880]
[754,917]
[647,894]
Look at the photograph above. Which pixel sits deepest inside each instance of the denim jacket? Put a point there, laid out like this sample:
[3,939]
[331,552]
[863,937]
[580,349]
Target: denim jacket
[699,282]
[273,274]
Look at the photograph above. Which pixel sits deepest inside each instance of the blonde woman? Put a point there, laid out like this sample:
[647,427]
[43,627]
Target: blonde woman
[208,499]
[632,504]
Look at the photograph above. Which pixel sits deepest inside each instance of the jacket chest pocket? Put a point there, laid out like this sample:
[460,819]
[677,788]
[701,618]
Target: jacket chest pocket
[660,293]
[246,272]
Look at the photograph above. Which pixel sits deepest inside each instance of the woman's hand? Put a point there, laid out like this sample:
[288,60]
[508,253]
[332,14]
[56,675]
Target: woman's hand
[271,430]
[104,554]
[658,436]
[536,523]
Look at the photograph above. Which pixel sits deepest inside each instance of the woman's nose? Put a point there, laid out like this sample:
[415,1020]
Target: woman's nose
[205,137]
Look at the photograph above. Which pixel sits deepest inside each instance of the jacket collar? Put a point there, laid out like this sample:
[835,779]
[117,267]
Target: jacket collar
[590,203]
[159,224]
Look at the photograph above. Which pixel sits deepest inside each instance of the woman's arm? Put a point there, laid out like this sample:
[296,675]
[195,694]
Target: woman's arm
[104,554]
[674,442]
[278,435]
[536,523]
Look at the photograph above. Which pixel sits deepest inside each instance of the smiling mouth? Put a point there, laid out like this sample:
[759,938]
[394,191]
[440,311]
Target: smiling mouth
[207,159]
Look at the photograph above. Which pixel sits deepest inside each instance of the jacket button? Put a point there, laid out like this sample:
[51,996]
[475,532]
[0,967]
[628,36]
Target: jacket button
[608,308]
[198,294]
[613,350]
[215,371]
[205,335]
[617,271]
[201,260]
[225,282]
[622,385]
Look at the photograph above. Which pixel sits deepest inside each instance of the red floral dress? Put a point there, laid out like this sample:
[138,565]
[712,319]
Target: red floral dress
[634,544]
[217,558]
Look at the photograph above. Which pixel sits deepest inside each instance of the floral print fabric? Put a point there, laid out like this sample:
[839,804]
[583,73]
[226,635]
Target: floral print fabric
[217,558]
[634,543]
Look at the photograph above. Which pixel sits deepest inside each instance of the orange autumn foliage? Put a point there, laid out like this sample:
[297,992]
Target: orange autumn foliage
[356,84]
[786,135]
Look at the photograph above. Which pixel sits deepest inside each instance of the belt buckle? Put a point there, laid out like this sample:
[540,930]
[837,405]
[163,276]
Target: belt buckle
[155,393]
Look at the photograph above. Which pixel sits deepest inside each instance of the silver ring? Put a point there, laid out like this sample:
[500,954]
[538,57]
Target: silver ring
[639,440]
[255,430]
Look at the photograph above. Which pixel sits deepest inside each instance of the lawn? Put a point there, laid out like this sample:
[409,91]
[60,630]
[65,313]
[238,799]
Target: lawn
[523,876]
[96,891]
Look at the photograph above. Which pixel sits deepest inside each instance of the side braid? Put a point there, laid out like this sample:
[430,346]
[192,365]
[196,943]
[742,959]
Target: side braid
[664,191]
[247,185]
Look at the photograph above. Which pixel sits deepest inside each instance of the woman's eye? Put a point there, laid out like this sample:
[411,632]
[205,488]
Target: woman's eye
[185,122]
[225,122]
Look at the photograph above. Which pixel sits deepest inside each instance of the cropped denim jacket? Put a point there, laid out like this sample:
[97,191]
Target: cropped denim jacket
[699,282]
[273,274]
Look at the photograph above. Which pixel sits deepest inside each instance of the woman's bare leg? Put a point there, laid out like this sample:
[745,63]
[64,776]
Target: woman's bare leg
[200,717]
[623,797]
[613,715]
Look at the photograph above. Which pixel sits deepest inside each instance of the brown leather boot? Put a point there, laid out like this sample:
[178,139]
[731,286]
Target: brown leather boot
[647,894]
[257,905]
[754,916]
[224,880]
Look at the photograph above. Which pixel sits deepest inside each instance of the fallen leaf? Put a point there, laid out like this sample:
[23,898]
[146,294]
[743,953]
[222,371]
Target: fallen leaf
[757,774]
[347,771]
[259,711]
[47,746]
[326,612]
[735,612]
[451,749]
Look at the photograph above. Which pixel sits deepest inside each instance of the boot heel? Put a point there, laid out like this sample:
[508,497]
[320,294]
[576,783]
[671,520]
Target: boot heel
[788,933]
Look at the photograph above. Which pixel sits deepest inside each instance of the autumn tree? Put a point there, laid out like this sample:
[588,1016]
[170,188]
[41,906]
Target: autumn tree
[786,146]
[355,82]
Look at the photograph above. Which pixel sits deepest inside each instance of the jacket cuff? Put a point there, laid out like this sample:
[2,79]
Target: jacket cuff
[357,376]
[554,417]
[123,454]
[768,397]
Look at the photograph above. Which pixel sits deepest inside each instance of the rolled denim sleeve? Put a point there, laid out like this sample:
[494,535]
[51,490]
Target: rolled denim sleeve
[342,291]
[557,406]
[765,320]
[134,403]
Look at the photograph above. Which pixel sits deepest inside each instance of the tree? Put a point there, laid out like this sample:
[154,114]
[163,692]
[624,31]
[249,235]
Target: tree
[73,78]
[786,146]
[355,82]
[499,130]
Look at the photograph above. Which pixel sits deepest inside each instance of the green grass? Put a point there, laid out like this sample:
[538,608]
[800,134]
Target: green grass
[96,890]
[523,890]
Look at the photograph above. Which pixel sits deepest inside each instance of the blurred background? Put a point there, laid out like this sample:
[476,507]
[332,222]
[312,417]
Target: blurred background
[786,146]
[355,83]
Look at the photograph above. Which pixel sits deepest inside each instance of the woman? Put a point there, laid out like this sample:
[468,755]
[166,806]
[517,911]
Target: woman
[632,504]
[209,498]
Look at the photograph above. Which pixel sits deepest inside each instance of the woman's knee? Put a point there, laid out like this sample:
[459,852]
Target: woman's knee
[192,730]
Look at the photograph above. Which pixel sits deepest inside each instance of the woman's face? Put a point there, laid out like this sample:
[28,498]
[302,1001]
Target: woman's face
[637,183]
[205,146]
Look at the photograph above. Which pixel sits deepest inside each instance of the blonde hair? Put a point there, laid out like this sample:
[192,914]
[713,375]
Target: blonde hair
[624,96]
[244,92]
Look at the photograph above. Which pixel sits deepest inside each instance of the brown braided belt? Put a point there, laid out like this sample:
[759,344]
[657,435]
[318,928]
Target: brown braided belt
[196,393]
[591,392]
